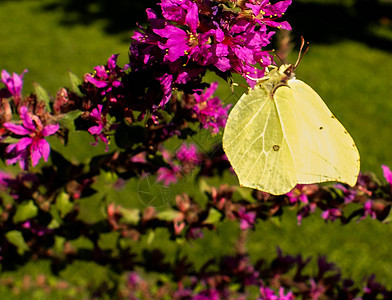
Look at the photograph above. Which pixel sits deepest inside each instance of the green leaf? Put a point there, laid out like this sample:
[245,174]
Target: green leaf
[130,216]
[63,204]
[16,238]
[68,119]
[204,186]
[10,140]
[25,211]
[150,237]
[76,83]
[214,216]
[168,215]
[42,95]
[245,193]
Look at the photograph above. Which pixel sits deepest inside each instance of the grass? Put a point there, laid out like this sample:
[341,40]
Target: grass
[350,74]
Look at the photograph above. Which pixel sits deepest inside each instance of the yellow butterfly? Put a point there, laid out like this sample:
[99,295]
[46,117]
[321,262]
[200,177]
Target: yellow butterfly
[281,133]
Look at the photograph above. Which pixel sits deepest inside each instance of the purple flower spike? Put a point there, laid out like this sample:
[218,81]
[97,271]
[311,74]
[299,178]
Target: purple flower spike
[210,111]
[13,83]
[34,144]
[97,130]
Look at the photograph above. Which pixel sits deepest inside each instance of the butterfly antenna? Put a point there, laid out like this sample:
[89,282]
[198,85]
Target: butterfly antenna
[302,52]
[281,60]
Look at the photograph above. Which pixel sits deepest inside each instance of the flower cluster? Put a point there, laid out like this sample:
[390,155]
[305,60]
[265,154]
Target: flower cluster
[33,144]
[190,36]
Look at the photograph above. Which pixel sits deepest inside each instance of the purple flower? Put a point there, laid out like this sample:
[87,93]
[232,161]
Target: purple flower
[368,210]
[188,155]
[210,111]
[305,212]
[133,279]
[248,219]
[107,78]
[4,178]
[33,145]
[36,229]
[268,294]
[331,214]
[209,34]
[348,194]
[207,295]
[168,175]
[387,174]
[264,12]
[298,194]
[316,290]
[13,83]
[166,82]
[97,130]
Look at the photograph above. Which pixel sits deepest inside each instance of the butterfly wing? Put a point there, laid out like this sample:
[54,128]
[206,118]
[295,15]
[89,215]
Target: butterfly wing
[256,144]
[326,150]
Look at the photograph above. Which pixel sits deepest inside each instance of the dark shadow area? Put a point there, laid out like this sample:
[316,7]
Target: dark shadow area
[121,15]
[317,22]
[333,23]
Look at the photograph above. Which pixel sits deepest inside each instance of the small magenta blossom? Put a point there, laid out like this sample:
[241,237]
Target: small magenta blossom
[368,210]
[97,130]
[210,111]
[33,145]
[305,212]
[188,154]
[247,219]
[300,193]
[331,214]
[268,294]
[168,175]
[13,84]
[387,173]
[107,78]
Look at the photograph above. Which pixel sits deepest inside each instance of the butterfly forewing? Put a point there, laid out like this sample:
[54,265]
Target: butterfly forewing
[256,146]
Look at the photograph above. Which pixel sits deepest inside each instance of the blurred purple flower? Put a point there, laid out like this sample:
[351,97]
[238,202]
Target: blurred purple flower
[298,194]
[387,173]
[36,229]
[188,154]
[168,175]
[97,130]
[316,289]
[210,111]
[331,214]
[305,212]
[133,279]
[207,295]
[34,144]
[14,85]
[368,211]
[248,219]
[4,178]
[268,294]
[348,194]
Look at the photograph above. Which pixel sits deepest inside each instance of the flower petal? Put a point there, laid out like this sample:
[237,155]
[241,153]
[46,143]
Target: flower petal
[17,129]
[50,129]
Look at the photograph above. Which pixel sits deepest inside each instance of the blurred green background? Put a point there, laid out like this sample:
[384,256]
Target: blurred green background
[349,64]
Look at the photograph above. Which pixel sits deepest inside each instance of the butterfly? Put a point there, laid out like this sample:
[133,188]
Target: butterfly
[281,133]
